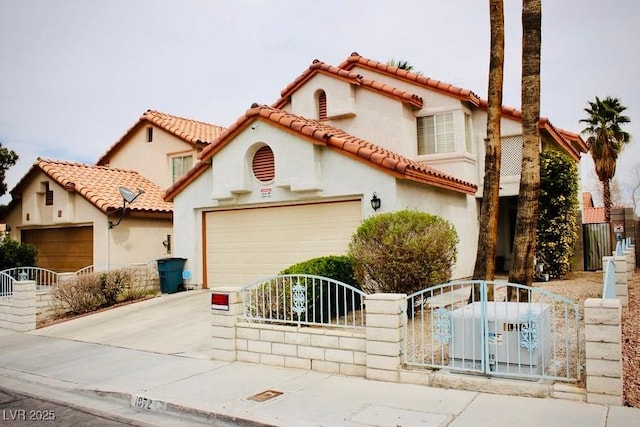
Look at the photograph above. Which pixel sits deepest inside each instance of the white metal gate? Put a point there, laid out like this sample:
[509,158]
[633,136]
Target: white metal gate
[535,336]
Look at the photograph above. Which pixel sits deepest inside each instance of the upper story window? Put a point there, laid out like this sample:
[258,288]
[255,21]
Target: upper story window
[435,134]
[263,164]
[322,105]
[149,134]
[48,195]
[180,165]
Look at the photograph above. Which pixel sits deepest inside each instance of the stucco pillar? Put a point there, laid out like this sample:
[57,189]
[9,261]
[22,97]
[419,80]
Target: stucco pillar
[603,333]
[386,322]
[223,331]
[19,312]
[622,277]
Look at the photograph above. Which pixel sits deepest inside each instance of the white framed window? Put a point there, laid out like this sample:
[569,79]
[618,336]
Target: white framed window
[180,165]
[436,134]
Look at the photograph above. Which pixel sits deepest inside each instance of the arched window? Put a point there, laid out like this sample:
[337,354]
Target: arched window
[322,105]
[263,164]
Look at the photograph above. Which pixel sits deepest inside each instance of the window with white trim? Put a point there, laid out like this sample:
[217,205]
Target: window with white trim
[435,134]
[179,166]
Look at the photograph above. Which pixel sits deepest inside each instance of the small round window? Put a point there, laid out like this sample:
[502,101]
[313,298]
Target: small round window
[263,164]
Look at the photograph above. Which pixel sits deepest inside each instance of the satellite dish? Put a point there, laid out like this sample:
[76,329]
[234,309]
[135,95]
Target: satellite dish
[128,195]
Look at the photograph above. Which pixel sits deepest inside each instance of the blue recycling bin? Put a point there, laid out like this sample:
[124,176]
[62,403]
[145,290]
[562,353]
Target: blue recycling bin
[170,272]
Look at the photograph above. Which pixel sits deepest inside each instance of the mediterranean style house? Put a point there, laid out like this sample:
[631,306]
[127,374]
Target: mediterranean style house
[75,214]
[293,180]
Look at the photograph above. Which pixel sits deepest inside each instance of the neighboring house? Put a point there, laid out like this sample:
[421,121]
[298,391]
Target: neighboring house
[160,146]
[590,213]
[292,181]
[66,210]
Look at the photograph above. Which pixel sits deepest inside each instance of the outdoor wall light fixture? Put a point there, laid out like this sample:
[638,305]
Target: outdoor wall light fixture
[128,196]
[375,202]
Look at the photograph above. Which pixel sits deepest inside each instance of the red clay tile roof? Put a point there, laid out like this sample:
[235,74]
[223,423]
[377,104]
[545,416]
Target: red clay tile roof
[571,142]
[99,185]
[334,138]
[353,78]
[464,94]
[593,215]
[193,132]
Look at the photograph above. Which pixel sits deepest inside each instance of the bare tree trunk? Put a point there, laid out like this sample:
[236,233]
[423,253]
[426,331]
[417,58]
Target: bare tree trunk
[488,233]
[524,245]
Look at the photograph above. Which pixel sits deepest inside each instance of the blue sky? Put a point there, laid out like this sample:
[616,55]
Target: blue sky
[76,74]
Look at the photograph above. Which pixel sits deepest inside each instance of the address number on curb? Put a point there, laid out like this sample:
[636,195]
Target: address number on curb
[143,402]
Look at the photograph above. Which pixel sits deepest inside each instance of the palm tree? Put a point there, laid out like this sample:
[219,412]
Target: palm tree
[524,244]
[606,140]
[403,65]
[488,235]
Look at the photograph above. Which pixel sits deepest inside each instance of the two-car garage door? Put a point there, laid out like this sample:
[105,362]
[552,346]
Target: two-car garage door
[243,245]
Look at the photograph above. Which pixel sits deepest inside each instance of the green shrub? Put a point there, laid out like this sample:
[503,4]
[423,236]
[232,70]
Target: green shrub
[403,252]
[16,254]
[336,267]
[325,303]
[557,224]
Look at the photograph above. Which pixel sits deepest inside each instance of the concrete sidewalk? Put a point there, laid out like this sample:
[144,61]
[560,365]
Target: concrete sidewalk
[221,391]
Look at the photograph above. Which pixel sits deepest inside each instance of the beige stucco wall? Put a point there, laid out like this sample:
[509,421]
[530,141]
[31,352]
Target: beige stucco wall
[459,209]
[304,173]
[135,240]
[152,159]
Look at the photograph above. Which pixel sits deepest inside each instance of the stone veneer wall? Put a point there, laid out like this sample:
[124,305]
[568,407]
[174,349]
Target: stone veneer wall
[326,350]
[603,349]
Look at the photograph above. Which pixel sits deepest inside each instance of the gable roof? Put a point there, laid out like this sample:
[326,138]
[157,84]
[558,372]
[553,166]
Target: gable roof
[571,142]
[99,185]
[193,132]
[319,67]
[322,134]
[448,89]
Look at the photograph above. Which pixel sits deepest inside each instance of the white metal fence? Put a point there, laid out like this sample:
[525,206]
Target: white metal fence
[6,286]
[535,336]
[301,299]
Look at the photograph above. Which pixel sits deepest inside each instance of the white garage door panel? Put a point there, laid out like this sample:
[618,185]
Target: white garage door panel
[246,244]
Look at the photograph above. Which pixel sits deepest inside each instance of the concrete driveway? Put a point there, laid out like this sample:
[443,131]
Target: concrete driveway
[178,324]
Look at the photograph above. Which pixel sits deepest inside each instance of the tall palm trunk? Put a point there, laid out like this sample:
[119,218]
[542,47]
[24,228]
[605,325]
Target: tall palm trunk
[606,196]
[488,234]
[524,245]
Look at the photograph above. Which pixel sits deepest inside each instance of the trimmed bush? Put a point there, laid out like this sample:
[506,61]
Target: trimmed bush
[335,267]
[403,252]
